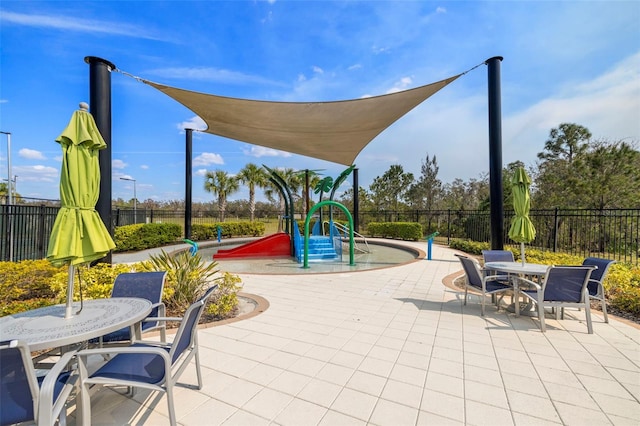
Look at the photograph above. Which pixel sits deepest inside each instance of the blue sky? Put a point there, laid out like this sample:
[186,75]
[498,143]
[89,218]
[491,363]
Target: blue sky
[570,61]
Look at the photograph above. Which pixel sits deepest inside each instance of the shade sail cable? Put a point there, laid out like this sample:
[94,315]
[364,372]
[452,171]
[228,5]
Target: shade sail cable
[335,131]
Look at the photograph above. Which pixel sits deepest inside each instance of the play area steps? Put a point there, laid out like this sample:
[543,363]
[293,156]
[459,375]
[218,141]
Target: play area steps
[321,248]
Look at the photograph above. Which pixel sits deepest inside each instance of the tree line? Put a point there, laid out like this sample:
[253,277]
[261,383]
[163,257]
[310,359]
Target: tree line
[573,171]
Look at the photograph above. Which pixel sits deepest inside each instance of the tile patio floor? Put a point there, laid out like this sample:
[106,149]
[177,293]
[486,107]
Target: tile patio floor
[396,347]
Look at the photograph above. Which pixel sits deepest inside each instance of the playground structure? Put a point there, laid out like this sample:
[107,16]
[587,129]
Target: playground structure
[306,247]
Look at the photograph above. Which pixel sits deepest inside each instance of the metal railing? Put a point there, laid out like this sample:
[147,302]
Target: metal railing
[610,233]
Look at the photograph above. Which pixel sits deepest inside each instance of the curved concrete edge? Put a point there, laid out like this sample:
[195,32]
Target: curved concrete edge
[261,303]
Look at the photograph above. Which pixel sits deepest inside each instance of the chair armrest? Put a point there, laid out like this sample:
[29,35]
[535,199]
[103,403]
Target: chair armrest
[165,319]
[526,281]
[115,350]
[493,277]
[49,409]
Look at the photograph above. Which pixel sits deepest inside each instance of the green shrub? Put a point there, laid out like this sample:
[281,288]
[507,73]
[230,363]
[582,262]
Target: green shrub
[26,280]
[96,281]
[187,277]
[227,230]
[401,230]
[622,287]
[146,235]
[224,302]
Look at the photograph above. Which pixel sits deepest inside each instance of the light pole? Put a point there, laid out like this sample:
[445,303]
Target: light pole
[135,200]
[10,202]
[9,166]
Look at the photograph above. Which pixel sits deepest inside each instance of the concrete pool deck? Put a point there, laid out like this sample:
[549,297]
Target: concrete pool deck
[395,346]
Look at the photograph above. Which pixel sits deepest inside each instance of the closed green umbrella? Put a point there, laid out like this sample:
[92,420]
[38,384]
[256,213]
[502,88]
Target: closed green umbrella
[522,230]
[79,235]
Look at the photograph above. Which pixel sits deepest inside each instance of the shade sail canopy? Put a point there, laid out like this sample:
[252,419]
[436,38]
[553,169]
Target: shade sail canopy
[332,131]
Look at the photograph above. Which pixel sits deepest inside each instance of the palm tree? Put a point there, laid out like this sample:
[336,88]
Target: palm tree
[252,176]
[222,184]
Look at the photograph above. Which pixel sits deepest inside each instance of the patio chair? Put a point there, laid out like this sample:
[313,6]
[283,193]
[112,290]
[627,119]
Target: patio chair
[562,287]
[145,285]
[497,256]
[485,284]
[27,398]
[595,284]
[151,365]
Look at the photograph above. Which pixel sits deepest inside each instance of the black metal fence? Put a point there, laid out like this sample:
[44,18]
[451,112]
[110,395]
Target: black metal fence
[610,233]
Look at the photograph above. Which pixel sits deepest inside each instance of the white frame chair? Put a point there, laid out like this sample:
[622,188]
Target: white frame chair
[150,365]
[562,287]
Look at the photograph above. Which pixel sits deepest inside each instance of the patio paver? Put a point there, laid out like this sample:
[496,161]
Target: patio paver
[396,347]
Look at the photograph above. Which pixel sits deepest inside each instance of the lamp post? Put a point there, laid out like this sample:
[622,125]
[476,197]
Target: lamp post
[10,202]
[135,200]
[9,166]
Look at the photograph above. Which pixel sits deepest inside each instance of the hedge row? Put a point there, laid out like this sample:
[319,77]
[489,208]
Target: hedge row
[146,235]
[399,230]
[227,230]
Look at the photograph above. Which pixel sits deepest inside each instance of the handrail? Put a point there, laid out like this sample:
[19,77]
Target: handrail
[342,228]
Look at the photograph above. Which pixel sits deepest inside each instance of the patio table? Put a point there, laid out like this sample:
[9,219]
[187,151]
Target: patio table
[530,269]
[47,328]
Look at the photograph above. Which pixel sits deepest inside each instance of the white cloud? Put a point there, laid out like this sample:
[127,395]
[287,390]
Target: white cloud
[441,9]
[317,70]
[212,74]
[201,172]
[118,164]
[207,159]
[261,151]
[31,154]
[36,173]
[73,23]
[400,85]
[144,167]
[354,67]
[195,123]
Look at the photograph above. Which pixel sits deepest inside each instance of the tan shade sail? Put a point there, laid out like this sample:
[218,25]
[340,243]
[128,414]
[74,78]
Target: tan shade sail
[332,131]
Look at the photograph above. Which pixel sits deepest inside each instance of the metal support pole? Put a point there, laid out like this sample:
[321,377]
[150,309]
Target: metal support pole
[188,182]
[10,208]
[356,201]
[100,101]
[495,154]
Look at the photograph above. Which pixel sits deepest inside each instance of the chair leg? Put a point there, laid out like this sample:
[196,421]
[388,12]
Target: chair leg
[543,326]
[172,411]
[587,313]
[604,310]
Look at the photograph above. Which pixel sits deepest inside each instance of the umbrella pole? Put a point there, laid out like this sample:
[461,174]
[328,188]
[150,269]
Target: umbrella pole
[68,312]
[522,253]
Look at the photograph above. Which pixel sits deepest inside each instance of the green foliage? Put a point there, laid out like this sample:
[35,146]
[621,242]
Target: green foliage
[401,230]
[146,235]
[187,277]
[26,285]
[468,246]
[96,281]
[224,302]
[622,287]
[228,230]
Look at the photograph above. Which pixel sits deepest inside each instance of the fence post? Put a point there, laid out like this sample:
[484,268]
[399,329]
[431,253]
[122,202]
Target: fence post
[40,233]
[151,216]
[448,226]
[555,230]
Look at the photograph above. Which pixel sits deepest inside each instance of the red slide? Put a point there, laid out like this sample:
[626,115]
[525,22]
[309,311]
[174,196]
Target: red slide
[270,246]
